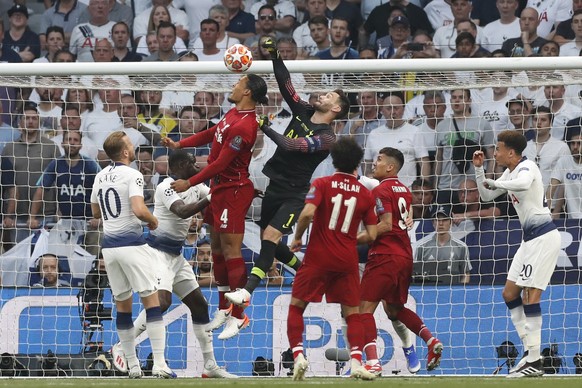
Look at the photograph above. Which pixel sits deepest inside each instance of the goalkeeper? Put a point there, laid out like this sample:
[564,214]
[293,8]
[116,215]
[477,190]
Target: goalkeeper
[300,149]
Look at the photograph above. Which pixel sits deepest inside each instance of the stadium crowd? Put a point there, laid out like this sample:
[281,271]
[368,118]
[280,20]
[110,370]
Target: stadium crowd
[51,139]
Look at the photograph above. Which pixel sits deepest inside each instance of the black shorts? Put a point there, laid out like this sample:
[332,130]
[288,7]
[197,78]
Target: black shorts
[281,207]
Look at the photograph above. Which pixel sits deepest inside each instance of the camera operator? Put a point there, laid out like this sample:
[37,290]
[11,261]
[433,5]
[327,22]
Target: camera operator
[92,292]
[420,47]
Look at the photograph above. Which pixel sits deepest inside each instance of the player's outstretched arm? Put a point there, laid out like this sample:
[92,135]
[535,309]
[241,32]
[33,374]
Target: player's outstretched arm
[284,78]
[308,145]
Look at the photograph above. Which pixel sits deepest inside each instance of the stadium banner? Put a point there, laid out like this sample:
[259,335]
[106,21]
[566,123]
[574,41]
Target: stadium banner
[471,321]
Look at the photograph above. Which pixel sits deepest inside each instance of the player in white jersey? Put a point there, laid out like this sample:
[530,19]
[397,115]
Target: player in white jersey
[117,198]
[535,260]
[174,213]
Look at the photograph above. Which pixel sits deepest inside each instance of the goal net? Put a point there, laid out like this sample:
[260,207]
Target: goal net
[406,104]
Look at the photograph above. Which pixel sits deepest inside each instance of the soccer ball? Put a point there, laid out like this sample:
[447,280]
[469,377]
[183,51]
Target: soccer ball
[238,58]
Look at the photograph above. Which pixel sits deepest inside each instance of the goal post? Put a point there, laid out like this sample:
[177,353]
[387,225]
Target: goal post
[470,319]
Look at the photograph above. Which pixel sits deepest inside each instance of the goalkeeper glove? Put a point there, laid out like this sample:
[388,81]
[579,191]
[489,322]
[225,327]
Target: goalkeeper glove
[490,184]
[263,121]
[270,45]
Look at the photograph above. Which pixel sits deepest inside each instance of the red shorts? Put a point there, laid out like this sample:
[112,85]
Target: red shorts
[228,208]
[312,283]
[386,277]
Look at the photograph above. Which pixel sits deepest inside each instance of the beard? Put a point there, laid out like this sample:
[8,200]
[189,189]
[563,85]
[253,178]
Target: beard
[229,99]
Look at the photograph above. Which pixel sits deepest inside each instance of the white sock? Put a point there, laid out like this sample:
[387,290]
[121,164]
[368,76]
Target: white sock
[127,341]
[403,334]
[139,325]
[157,333]
[518,319]
[205,341]
[533,326]
[345,332]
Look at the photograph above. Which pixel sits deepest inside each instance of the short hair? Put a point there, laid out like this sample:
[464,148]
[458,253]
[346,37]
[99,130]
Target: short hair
[72,106]
[394,154]
[210,21]
[57,29]
[465,36]
[466,92]
[113,145]
[344,103]
[287,39]
[190,108]
[433,95]
[472,23]
[346,155]
[513,140]
[319,19]
[218,8]
[178,157]
[258,88]
[543,110]
[571,131]
[64,52]
[397,94]
[426,183]
[500,51]
[269,7]
[120,23]
[29,105]
[144,148]
[165,24]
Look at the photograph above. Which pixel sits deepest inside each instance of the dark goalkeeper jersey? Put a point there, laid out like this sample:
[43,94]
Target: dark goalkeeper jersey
[295,166]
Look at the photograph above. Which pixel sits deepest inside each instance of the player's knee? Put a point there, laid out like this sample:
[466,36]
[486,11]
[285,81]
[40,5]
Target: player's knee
[272,234]
[509,294]
[123,296]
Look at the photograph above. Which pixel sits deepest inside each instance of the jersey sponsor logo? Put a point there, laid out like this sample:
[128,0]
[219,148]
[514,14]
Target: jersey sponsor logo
[574,176]
[236,142]
[491,115]
[72,191]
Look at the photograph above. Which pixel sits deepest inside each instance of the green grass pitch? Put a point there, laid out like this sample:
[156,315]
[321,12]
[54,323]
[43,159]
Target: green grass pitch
[572,381]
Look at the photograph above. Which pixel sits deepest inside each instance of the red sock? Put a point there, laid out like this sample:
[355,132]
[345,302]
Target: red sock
[295,327]
[414,323]
[355,335]
[221,277]
[237,278]
[370,335]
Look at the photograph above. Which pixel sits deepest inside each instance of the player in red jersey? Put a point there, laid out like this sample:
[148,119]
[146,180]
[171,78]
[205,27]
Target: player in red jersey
[336,204]
[388,271]
[232,192]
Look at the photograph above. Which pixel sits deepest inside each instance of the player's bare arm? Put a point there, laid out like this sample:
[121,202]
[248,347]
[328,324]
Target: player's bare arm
[141,211]
[303,222]
[385,224]
[184,211]
[96,211]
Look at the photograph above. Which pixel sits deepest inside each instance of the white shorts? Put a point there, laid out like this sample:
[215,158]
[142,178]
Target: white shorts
[176,275]
[535,261]
[129,269]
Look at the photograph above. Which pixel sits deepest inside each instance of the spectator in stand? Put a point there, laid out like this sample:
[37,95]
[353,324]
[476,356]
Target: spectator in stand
[48,269]
[159,13]
[72,120]
[439,13]
[55,41]
[564,33]
[8,134]
[203,263]
[319,33]
[551,14]
[396,132]
[339,48]
[434,106]
[118,12]
[545,149]
[63,56]
[103,51]
[286,15]
[81,97]
[151,40]
[287,48]
[141,22]
[196,12]
[574,46]
[529,42]
[218,13]
[166,37]
[376,22]
[399,36]
[561,110]
[424,48]
[265,26]
[242,24]
[444,37]
[209,51]
[342,9]
[369,118]
[49,106]
[483,13]
[139,133]
[566,184]
[64,14]
[120,37]
[462,124]
[207,102]
[190,121]
[423,196]
[85,35]
[149,104]
[176,97]
[72,175]
[26,158]
[491,103]
[507,26]
[302,34]
[550,49]
[465,45]
[7,54]
[19,37]
[440,258]
[469,26]
[518,110]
